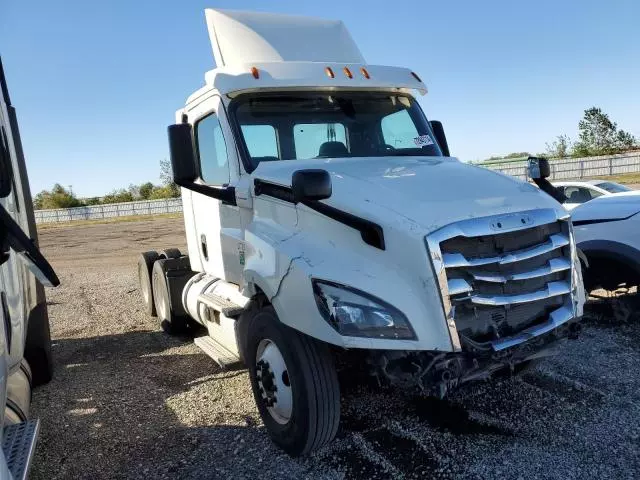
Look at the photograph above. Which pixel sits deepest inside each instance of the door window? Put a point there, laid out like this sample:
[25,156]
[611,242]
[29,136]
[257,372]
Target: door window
[579,194]
[212,151]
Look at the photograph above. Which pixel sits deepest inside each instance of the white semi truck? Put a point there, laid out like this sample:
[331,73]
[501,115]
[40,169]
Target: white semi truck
[25,341]
[324,215]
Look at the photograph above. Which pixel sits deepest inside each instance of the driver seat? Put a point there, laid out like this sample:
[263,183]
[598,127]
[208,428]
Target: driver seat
[333,149]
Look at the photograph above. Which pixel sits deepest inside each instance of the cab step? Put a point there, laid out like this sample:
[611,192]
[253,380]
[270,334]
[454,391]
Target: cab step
[220,354]
[223,305]
[19,444]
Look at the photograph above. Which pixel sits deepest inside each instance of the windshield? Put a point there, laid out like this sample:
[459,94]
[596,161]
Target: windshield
[298,126]
[613,187]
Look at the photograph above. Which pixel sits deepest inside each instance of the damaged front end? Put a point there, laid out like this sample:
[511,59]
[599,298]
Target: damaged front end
[510,287]
[437,373]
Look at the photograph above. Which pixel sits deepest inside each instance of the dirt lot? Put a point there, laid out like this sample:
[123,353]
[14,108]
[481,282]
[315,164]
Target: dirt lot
[128,401]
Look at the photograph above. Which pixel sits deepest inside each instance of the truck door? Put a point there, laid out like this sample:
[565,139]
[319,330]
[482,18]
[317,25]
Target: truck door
[217,225]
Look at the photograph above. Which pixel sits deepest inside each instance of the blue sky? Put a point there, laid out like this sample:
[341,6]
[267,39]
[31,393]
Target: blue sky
[96,83]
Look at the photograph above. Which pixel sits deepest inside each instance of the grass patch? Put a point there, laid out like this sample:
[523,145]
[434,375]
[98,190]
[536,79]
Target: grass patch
[624,178]
[129,218]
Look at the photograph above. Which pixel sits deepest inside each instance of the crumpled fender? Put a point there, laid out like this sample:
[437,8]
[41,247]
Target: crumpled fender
[282,263]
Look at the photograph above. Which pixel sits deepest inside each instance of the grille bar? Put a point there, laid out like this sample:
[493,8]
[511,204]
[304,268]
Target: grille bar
[452,260]
[553,290]
[501,276]
[553,266]
[556,318]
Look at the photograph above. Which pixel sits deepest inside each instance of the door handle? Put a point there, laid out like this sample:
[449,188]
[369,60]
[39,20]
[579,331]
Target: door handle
[203,246]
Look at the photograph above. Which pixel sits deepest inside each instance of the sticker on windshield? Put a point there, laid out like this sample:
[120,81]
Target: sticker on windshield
[423,141]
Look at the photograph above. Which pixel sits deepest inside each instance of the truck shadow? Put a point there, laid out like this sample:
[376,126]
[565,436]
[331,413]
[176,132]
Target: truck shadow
[144,404]
[138,404]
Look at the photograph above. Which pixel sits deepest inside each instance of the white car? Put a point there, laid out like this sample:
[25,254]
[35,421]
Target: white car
[578,193]
[606,231]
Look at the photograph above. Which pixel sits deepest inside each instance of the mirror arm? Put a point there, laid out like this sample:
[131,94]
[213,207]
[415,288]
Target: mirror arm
[371,233]
[225,194]
[555,192]
[12,237]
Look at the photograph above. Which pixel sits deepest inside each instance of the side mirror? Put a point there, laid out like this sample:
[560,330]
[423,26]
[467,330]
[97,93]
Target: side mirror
[310,184]
[538,168]
[183,159]
[185,166]
[441,138]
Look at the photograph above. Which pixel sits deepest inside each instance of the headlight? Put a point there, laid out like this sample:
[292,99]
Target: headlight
[356,314]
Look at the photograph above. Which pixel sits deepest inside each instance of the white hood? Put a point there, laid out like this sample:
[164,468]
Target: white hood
[429,192]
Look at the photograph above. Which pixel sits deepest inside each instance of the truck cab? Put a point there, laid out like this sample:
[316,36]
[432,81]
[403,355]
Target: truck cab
[324,214]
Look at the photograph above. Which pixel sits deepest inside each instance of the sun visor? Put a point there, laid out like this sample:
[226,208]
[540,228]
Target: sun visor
[241,38]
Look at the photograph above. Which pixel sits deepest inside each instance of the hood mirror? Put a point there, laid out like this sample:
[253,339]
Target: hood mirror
[310,184]
[538,168]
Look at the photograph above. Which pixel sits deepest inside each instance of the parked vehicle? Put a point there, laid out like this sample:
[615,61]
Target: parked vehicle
[324,215]
[578,193]
[25,343]
[606,231]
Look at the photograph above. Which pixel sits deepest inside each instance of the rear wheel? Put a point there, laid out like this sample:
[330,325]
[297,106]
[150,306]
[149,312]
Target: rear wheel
[171,253]
[145,266]
[294,382]
[169,321]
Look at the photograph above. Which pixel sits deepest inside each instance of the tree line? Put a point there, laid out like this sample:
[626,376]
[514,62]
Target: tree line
[61,197]
[597,135]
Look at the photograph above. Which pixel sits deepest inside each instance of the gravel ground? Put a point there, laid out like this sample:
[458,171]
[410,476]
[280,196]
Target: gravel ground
[128,401]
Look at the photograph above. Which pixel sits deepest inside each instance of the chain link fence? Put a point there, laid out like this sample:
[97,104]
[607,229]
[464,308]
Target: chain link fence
[111,210]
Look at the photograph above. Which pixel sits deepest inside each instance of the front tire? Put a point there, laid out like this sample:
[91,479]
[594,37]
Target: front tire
[294,382]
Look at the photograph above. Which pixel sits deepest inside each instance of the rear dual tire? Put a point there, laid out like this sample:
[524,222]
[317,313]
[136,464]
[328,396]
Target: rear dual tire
[294,383]
[146,260]
[155,290]
[169,321]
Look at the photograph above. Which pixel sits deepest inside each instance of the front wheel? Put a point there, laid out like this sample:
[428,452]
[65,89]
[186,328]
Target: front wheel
[295,384]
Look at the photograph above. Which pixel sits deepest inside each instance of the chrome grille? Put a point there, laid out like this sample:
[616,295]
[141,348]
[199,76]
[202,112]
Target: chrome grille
[502,275]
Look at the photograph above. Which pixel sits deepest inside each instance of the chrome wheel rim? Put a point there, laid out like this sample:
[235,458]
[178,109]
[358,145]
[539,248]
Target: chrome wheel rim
[274,384]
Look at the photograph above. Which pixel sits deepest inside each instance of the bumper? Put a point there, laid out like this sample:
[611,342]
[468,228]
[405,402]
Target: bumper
[436,373]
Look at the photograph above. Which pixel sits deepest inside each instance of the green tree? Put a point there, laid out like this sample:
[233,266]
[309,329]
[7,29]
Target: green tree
[560,147]
[57,197]
[145,190]
[118,196]
[162,192]
[598,135]
[166,175]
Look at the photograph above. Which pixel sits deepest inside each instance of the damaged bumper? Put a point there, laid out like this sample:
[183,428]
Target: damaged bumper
[436,373]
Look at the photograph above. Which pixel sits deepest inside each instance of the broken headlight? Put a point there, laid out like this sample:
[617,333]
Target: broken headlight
[357,314]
